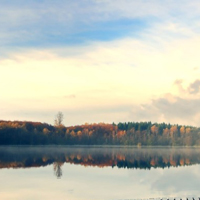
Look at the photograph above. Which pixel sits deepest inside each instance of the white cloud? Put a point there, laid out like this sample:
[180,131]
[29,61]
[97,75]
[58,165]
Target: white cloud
[181,108]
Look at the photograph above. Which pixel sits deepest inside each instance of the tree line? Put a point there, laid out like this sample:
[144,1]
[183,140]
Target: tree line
[129,133]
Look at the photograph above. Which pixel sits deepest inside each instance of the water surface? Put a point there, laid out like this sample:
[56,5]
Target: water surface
[77,173]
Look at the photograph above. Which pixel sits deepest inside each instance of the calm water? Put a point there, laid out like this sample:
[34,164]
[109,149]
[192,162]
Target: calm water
[40,173]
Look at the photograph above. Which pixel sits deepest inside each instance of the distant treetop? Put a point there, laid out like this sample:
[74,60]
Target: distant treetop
[59,119]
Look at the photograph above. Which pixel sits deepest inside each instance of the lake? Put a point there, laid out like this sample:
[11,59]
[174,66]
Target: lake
[100,173]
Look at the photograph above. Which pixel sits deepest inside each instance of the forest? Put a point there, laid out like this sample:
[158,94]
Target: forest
[129,133]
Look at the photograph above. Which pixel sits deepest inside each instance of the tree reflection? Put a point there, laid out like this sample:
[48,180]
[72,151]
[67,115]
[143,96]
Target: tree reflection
[57,167]
[142,158]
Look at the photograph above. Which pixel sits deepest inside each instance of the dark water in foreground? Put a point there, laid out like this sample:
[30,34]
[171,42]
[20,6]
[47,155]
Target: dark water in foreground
[76,173]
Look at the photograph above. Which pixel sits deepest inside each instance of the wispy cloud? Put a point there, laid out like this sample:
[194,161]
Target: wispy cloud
[47,24]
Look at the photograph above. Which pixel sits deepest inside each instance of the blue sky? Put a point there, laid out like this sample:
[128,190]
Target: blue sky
[100,60]
[49,24]
[45,24]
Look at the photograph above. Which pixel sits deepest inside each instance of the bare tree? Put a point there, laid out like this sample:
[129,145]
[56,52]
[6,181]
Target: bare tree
[58,119]
[57,169]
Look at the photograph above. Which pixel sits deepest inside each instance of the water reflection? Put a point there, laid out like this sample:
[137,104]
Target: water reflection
[57,169]
[142,158]
[98,173]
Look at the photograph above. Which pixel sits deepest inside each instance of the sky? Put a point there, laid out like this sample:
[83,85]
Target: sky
[100,61]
